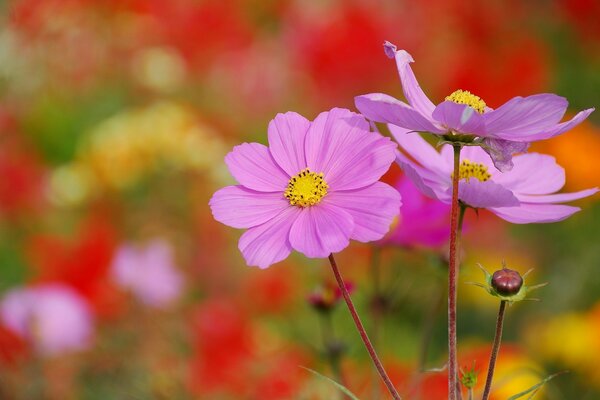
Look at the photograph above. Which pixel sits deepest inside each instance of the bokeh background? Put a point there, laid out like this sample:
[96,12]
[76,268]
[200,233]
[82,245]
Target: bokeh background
[115,281]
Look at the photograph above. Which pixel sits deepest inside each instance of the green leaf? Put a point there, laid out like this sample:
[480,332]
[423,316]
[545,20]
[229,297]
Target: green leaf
[534,389]
[341,388]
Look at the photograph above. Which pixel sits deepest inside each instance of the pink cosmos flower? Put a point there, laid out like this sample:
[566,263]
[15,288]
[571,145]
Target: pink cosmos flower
[53,317]
[423,222]
[501,132]
[312,190]
[522,195]
[149,273]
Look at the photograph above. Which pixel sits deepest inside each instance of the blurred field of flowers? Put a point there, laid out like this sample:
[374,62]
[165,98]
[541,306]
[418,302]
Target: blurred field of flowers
[116,282]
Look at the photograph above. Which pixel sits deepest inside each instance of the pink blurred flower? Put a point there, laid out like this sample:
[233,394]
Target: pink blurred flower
[53,317]
[149,273]
[422,221]
[312,190]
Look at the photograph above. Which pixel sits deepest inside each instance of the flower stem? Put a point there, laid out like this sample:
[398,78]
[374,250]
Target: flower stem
[495,349]
[361,330]
[452,277]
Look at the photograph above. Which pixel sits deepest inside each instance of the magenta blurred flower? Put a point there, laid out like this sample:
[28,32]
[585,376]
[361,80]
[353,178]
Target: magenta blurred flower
[312,190]
[422,222]
[522,195]
[501,132]
[149,273]
[53,317]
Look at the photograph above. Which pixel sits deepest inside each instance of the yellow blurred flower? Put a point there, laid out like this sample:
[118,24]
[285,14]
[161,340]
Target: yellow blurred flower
[128,146]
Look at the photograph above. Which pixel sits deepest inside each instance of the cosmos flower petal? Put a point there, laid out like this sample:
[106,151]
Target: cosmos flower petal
[373,209]
[380,107]
[521,117]
[340,145]
[557,198]
[240,207]
[411,88]
[266,244]
[418,175]
[501,152]
[321,230]
[252,165]
[562,127]
[460,118]
[419,149]
[533,173]
[486,194]
[528,213]
[286,141]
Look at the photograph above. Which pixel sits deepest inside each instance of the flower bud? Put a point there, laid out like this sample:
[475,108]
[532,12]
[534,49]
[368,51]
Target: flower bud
[507,282]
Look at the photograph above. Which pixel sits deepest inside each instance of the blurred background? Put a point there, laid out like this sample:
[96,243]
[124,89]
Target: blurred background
[115,281]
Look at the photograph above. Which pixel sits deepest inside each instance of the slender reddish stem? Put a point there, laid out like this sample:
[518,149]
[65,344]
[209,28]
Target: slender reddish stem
[453,388]
[362,331]
[495,350]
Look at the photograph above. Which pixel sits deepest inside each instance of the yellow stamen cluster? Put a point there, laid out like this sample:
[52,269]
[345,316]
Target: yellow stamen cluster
[468,98]
[470,170]
[306,189]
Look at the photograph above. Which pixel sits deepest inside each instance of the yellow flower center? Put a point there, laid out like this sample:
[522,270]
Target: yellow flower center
[470,170]
[306,189]
[468,98]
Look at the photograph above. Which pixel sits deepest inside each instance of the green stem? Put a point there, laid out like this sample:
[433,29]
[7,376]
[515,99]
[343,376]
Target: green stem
[495,350]
[361,330]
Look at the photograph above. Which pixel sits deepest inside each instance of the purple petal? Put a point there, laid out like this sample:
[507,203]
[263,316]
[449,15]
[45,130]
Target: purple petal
[286,141]
[562,127]
[339,144]
[521,117]
[239,207]
[252,165]
[380,107]
[501,152]
[418,148]
[423,179]
[486,194]
[535,213]
[321,230]
[266,244]
[459,118]
[373,208]
[557,198]
[412,91]
[533,173]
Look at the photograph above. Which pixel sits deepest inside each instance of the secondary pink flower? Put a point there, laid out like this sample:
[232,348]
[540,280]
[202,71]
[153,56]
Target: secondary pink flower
[53,317]
[501,132]
[522,195]
[422,221]
[149,273]
[312,190]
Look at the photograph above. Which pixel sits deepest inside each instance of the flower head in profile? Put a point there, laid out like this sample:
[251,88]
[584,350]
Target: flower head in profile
[525,194]
[149,272]
[312,190]
[53,317]
[423,222]
[465,117]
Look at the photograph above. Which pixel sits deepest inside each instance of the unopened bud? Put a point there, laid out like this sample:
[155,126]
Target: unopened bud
[507,282]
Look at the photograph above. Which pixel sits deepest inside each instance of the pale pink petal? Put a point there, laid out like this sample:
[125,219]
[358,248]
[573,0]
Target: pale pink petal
[339,144]
[412,91]
[459,118]
[486,194]
[267,244]
[521,117]
[557,198]
[501,151]
[560,128]
[373,208]
[380,107]
[533,173]
[419,149]
[528,213]
[239,207]
[286,141]
[321,230]
[252,165]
